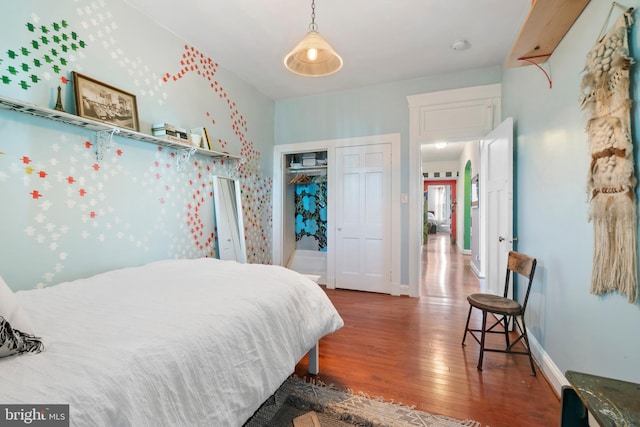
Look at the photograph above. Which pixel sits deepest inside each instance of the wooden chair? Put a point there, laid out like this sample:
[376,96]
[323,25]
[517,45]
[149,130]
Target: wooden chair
[505,309]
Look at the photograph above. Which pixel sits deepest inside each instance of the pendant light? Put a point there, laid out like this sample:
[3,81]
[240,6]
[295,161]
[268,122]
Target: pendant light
[313,57]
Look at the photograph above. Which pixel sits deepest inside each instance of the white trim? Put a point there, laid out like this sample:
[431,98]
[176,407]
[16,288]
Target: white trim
[279,151]
[455,95]
[553,374]
[475,270]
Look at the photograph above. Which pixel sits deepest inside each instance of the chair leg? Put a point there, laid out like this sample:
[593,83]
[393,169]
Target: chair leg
[466,327]
[525,337]
[484,325]
[505,320]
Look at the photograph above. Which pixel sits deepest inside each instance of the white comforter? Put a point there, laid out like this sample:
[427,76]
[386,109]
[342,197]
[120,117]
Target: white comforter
[173,343]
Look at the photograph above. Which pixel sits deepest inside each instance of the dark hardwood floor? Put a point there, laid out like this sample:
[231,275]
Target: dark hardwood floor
[408,350]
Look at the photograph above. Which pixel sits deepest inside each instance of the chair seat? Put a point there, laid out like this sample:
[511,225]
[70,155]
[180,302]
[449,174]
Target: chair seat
[495,304]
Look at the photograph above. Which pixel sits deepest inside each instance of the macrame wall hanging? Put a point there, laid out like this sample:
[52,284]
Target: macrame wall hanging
[611,184]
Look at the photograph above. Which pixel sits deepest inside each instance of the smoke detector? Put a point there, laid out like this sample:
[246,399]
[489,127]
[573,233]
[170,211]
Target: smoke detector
[460,45]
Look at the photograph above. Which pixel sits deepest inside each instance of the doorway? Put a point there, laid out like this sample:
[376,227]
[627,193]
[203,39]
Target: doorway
[452,115]
[441,200]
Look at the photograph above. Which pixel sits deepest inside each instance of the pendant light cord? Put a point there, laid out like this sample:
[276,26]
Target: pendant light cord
[313,26]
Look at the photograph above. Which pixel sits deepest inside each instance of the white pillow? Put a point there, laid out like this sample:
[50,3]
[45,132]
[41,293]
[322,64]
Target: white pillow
[12,311]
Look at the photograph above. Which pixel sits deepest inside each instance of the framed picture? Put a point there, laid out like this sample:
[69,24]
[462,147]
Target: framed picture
[99,101]
[475,192]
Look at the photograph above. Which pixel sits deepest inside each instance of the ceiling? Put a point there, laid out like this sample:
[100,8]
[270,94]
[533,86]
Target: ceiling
[380,41]
[431,153]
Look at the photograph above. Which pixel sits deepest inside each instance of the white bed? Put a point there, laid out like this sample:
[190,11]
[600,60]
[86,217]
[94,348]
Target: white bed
[178,343]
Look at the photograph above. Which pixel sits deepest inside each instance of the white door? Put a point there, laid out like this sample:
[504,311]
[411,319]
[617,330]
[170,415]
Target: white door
[497,168]
[363,218]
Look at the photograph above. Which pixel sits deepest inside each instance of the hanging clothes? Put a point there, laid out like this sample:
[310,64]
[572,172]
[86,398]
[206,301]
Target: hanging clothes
[311,212]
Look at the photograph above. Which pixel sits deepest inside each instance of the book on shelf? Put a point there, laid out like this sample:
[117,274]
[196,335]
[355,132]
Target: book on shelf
[175,133]
[174,139]
[205,136]
[168,129]
[165,125]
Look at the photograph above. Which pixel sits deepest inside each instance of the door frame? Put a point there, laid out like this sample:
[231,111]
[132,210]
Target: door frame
[483,100]
[279,167]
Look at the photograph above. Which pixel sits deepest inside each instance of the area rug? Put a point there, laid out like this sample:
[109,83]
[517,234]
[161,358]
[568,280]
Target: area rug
[341,408]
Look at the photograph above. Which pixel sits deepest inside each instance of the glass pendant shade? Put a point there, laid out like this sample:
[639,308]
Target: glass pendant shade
[313,57]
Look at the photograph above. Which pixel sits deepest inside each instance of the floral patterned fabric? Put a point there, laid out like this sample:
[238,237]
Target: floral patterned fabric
[311,212]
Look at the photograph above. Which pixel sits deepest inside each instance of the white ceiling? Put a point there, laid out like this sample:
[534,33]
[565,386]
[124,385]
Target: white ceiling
[431,153]
[379,40]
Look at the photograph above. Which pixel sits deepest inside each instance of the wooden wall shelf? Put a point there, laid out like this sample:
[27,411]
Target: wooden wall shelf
[99,127]
[547,23]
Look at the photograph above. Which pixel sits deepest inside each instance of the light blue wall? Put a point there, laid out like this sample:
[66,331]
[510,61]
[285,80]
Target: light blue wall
[373,110]
[63,213]
[578,330]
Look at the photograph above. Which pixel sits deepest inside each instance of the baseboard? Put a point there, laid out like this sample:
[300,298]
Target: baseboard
[551,372]
[474,269]
[549,369]
[331,282]
[395,289]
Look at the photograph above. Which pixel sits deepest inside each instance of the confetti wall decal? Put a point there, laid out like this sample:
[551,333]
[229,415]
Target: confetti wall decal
[256,190]
[134,205]
[47,55]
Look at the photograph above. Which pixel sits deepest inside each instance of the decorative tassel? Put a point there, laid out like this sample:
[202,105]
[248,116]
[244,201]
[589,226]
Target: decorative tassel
[615,224]
[612,182]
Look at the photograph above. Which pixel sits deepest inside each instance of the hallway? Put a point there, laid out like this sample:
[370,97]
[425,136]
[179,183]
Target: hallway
[409,350]
[446,273]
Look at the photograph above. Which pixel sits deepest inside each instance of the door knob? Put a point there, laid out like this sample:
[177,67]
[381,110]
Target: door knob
[500,239]
[339,228]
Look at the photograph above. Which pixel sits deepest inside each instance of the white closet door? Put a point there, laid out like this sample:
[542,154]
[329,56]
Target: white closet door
[363,218]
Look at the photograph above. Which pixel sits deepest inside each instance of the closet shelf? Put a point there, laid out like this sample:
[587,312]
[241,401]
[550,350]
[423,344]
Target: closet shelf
[71,119]
[308,170]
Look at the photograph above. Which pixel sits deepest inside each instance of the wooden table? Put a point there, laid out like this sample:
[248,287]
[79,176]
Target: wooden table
[613,403]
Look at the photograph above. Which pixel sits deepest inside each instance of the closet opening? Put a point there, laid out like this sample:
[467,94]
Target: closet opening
[305,211]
